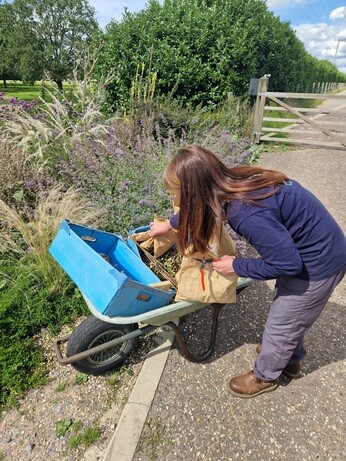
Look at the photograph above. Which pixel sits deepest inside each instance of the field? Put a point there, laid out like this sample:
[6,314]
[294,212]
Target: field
[23,91]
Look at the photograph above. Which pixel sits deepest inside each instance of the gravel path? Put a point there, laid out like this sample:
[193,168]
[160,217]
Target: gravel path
[69,400]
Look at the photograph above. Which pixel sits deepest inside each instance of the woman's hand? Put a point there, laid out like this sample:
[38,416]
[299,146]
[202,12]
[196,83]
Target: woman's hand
[224,265]
[158,228]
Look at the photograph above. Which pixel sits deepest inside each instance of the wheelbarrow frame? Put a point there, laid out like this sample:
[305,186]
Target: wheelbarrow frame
[165,316]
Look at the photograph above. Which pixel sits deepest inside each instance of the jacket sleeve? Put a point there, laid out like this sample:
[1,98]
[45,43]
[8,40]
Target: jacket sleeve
[278,253]
[174,221]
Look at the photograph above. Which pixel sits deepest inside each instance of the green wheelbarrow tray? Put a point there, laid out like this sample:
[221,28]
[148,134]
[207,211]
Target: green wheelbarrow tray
[164,316]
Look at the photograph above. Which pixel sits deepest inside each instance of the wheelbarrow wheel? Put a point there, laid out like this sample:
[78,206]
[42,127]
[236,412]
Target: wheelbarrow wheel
[94,332]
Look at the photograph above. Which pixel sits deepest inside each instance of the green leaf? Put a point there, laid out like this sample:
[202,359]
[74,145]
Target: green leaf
[18,195]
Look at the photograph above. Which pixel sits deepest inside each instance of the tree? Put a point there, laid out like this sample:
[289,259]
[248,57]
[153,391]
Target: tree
[50,35]
[8,62]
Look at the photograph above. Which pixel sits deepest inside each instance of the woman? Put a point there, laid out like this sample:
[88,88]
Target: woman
[298,242]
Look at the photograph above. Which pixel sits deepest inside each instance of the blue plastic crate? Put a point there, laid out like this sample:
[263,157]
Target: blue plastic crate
[107,271]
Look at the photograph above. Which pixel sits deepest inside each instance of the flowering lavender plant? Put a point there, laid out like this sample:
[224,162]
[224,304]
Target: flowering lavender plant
[12,107]
[122,169]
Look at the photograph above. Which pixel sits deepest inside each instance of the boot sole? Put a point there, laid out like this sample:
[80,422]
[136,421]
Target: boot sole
[245,396]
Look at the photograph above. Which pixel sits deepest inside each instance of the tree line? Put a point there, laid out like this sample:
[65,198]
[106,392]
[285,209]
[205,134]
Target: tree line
[198,50]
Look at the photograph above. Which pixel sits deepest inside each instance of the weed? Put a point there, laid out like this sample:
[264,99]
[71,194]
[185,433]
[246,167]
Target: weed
[62,426]
[256,151]
[127,370]
[83,436]
[2,456]
[61,387]
[154,442]
[81,378]
[114,379]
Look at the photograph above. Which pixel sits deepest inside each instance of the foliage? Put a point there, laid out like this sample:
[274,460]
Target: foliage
[14,170]
[201,50]
[26,305]
[47,36]
[34,292]
[83,436]
[123,174]
[8,61]
[30,233]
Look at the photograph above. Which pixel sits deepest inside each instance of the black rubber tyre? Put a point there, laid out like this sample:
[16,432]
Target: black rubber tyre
[93,332]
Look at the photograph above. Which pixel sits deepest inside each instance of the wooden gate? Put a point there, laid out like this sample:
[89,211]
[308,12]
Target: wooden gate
[323,126]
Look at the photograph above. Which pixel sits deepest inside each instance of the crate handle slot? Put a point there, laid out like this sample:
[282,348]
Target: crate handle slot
[88,238]
[143,297]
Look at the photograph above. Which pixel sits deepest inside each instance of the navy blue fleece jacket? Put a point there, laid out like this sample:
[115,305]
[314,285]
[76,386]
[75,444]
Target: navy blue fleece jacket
[293,233]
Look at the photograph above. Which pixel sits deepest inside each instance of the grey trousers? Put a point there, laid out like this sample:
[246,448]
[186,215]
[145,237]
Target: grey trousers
[296,306]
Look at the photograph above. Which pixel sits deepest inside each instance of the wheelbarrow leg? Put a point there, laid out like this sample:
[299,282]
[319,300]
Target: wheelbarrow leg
[183,345]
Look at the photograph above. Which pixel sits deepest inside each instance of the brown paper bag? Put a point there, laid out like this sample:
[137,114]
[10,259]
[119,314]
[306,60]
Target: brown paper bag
[207,285]
[159,244]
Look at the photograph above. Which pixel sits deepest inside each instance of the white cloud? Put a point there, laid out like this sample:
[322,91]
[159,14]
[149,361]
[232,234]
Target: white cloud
[339,13]
[321,41]
[342,35]
[326,41]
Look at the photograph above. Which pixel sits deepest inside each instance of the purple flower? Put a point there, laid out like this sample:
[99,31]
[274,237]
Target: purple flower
[124,185]
[147,203]
[119,152]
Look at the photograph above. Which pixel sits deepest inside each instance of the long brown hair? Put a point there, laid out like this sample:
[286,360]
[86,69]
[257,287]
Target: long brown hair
[204,185]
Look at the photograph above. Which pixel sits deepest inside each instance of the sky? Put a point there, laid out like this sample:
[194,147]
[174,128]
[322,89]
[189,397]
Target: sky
[319,24]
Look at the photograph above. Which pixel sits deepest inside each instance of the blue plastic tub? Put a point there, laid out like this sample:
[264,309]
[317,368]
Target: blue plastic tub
[107,271]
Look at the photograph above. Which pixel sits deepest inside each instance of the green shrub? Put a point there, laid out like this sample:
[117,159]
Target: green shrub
[21,368]
[202,50]
[27,305]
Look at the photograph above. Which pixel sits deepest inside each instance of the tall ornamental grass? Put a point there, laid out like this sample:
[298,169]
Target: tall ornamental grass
[31,231]
[57,122]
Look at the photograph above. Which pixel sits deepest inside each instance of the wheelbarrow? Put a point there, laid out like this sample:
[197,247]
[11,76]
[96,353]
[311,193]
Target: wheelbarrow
[125,297]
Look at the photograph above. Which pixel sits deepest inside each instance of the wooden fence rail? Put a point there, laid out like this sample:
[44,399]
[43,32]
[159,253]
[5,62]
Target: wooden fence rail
[301,117]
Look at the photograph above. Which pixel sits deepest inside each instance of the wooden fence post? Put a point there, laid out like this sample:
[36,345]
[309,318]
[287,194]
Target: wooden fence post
[259,109]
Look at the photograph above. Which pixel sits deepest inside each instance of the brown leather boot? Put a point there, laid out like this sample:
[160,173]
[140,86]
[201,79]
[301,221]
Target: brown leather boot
[247,386]
[292,369]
